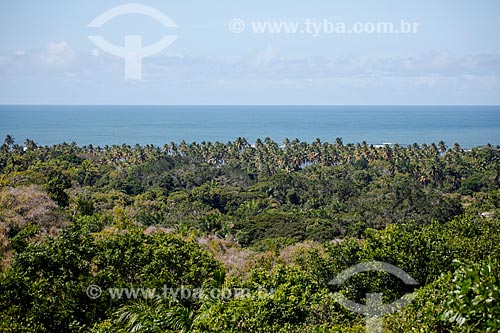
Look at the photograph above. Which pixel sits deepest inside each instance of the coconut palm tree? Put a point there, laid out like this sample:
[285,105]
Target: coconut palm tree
[30,144]
[442,147]
[9,140]
[143,316]
[158,315]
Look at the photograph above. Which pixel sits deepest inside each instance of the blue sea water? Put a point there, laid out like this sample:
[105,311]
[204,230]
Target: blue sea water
[106,125]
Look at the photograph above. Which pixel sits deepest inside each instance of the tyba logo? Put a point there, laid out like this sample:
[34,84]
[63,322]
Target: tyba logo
[374,309]
[133,52]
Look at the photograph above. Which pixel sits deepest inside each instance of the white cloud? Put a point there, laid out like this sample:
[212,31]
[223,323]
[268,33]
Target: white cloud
[263,57]
[58,54]
[440,75]
[266,64]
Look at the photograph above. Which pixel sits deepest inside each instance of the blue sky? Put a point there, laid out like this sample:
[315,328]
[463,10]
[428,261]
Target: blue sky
[453,58]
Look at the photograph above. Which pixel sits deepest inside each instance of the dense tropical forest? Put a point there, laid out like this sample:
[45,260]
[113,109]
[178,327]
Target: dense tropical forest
[278,221]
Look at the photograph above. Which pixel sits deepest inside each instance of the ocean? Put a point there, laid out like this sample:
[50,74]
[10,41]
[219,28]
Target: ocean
[107,125]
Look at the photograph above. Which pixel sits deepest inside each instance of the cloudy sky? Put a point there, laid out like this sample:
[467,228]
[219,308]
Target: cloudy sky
[453,57]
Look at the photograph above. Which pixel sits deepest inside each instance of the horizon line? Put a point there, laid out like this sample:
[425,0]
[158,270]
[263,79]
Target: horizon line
[277,105]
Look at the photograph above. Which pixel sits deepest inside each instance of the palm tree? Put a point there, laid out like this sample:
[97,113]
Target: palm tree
[442,147]
[286,142]
[157,315]
[30,144]
[143,316]
[9,140]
